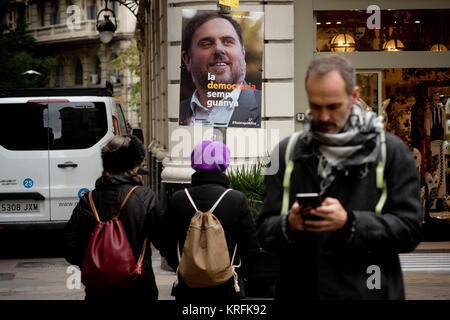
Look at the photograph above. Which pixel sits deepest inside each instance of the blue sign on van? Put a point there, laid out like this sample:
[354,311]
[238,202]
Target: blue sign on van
[28,183]
[82,191]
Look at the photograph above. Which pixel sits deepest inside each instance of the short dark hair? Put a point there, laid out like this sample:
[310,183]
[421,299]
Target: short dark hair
[199,19]
[322,65]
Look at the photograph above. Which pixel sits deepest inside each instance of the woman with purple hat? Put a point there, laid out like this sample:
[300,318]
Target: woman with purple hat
[210,159]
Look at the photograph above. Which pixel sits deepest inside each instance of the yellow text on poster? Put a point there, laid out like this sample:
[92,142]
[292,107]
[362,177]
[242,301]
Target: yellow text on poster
[230,3]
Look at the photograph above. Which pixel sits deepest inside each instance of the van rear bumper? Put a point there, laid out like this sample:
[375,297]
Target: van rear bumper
[32,225]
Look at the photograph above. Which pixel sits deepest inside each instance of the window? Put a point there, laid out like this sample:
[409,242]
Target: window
[78,72]
[41,10]
[91,10]
[54,14]
[98,71]
[59,76]
[24,126]
[114,75]
[77,125]
[400,30]
[122,122]
[58,126]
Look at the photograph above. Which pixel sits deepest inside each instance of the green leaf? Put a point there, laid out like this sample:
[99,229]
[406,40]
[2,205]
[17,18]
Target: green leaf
[249,180]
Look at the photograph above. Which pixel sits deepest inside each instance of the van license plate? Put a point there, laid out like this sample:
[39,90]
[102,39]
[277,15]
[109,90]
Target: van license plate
[19,207]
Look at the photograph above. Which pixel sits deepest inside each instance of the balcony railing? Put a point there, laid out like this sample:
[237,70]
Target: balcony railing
[64,32]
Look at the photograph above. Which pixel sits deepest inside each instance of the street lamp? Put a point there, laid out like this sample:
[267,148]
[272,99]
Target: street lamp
[107,27]
[32,72]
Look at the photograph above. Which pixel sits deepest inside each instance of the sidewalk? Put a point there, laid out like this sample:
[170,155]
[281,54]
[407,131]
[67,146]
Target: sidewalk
[433,246]
[164,279]
[419,285]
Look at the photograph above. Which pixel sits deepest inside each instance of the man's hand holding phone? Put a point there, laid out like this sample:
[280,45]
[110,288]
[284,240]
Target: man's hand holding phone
[309,213]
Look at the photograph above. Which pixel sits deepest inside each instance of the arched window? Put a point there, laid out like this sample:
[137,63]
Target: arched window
[59,76]
[114,75]
[98,71]
[78,72]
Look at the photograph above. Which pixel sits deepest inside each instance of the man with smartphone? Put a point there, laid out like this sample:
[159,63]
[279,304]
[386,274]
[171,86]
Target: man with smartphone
[332,238]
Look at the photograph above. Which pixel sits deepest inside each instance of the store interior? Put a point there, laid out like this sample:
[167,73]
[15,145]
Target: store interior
[416,107]
[414,102]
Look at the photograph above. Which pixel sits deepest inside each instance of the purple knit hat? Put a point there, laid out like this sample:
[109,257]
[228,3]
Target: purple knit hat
[210,156]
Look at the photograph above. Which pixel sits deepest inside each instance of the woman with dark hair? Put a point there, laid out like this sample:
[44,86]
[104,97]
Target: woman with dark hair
[122,157]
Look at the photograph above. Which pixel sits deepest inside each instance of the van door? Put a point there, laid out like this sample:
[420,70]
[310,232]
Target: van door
[24,161]
[80,129]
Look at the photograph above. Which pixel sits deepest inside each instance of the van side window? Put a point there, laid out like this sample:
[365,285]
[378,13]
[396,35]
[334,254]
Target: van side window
[24,126]
[77,125]
[54,126]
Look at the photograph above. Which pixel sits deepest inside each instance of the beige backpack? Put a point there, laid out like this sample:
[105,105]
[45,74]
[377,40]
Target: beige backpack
[205,260]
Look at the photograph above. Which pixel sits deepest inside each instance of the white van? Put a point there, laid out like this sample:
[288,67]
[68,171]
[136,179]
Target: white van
[50,142]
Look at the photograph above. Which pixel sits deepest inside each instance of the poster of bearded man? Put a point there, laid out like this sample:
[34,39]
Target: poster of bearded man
[221,68]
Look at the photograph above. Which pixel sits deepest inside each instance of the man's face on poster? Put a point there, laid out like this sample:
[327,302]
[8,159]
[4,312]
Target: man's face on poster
[215,49]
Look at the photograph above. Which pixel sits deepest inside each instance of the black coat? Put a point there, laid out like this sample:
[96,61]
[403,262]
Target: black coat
[337,264]
[140,217]
[235,218]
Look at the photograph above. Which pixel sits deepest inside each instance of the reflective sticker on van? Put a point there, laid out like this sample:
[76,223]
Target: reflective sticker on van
[82,191]
[28,183]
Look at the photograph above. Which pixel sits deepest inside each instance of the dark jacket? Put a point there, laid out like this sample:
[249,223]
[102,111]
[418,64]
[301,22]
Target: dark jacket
[338,264]
[248,110]
[235,218]
[141,218]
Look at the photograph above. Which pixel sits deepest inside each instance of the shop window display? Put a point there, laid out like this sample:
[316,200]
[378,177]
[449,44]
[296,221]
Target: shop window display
[400,30]
[418,111]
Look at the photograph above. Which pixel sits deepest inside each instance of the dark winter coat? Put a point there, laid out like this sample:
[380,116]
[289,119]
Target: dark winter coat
[235,218]
[140,217]
[340,264]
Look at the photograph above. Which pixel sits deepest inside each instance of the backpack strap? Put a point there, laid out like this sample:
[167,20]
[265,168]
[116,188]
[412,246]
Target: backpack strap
[289,154]
[381,181]
[126,199]
[94,209]
[234,267]
[215,204]
[218,200]
[190,199]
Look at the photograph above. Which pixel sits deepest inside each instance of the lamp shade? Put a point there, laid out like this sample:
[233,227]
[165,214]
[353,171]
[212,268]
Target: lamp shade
[106,29]
[438,47]
[393,45]
[343,42]
[106,36]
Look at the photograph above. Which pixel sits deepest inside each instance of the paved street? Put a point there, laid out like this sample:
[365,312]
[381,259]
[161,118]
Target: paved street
[426,274]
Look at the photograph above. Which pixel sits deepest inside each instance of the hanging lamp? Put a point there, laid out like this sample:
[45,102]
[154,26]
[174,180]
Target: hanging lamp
[343,42]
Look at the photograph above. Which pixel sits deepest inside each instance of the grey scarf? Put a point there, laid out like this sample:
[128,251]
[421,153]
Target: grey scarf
[357,144]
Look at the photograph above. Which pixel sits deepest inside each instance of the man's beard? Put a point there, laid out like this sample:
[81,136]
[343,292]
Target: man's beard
[200,78]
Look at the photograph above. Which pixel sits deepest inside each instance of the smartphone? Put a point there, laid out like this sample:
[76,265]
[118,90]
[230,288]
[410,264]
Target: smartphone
[312,200]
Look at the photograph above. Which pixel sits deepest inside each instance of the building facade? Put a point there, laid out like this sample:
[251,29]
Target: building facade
[66,29]
[295,32]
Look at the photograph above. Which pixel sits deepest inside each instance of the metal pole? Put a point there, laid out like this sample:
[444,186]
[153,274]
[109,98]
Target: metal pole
[220,134]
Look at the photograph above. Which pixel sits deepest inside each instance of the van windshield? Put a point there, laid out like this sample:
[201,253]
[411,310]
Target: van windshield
[54,126]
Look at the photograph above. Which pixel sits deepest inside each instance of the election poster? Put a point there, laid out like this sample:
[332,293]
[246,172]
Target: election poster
[221,68]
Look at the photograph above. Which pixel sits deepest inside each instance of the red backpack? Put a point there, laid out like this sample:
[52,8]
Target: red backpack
[109,262]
